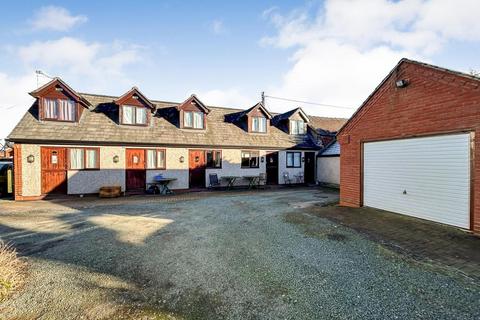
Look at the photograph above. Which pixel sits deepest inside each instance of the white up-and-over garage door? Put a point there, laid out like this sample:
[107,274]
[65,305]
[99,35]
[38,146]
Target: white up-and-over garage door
[428,178]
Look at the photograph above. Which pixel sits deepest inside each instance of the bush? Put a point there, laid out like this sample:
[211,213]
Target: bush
[11,270]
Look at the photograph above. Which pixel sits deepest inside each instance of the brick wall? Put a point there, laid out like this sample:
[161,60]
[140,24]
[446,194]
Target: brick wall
[434,102]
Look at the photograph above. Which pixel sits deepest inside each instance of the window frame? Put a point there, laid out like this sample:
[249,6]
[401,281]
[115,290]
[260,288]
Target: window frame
[43,117]
[250,159]
[293,159]
[297,126]
[253,127]
[214,157]
[193,120]
[147,120]
[157,150]
[84,162]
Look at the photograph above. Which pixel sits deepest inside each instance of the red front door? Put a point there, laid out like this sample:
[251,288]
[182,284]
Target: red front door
[135,169]
[197,168]
[54,170]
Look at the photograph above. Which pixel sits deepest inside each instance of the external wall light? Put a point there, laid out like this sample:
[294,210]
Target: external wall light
[401,83]
[31,158]
[262,159]
[182,159]
[116,159]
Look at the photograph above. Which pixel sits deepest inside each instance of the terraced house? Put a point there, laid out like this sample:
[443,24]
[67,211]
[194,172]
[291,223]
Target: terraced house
[75,143]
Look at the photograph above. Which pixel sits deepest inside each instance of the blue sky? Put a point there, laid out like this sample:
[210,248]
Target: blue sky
[227,52]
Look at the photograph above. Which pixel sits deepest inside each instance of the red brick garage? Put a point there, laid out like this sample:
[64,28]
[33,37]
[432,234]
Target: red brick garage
[423,112]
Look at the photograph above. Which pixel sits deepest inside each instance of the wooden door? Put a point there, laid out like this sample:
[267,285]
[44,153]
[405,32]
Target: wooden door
[197,168]
[54,170]
[135,169]
[272,167]
[309,173]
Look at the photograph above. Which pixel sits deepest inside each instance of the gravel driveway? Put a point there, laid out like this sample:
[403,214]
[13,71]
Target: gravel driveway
[249,255]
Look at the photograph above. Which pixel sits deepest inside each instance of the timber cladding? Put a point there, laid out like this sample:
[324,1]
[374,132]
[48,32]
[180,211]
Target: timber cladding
[436,101]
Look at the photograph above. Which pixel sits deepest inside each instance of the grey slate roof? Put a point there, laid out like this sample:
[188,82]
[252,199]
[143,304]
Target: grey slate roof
[332,149]
[100,126]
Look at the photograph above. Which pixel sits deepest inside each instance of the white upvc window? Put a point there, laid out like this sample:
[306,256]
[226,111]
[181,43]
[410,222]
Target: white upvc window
[297,127]
[294,159]
[259,124]
[193,119]
[156,159]
[134,115]
[84,158]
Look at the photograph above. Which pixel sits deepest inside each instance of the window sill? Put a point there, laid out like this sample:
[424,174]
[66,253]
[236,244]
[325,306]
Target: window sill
[56,120]
[134,125]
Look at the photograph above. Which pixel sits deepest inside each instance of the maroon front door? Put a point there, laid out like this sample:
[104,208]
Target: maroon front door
[197,168]
[54,170]
[135,169]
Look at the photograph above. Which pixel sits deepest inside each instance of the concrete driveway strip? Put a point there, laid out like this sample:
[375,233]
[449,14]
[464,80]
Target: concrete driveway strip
[252,255]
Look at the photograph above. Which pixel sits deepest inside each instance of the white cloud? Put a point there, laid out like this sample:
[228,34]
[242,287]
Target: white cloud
[345,48]
[14,99]
[56,19]
[231,97]
[218,27]
[76,59]
[85,66]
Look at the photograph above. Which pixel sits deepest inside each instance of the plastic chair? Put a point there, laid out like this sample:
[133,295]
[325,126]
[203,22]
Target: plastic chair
[286,178]
[214,183]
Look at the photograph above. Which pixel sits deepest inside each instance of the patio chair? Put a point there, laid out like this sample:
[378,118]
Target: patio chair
[214,183]
[262,180]
[300,177]
[286,178]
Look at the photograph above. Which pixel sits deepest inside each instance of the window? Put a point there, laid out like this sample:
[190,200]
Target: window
[250,159]
[84,158]
[294,159]
[156,159]
[214,158]
[297,127]
[259,124]
[192,119]
[134,115]
[59,109]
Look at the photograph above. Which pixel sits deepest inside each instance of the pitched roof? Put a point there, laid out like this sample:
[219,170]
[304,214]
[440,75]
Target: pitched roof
[288,114]
[197,101]
[333,149]
[136,91]
[100,126]
[405,60]
[35,93]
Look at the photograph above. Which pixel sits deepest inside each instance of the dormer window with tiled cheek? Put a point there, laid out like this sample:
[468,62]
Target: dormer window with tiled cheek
[133,115]
[297,127]
[259,124]
[193,120]
[59,110]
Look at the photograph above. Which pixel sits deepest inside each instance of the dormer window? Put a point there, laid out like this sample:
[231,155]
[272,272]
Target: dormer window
[59,109]
[134,108]
[259,124]
[134,115]
[192,114]
[193,119]
[297,127]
